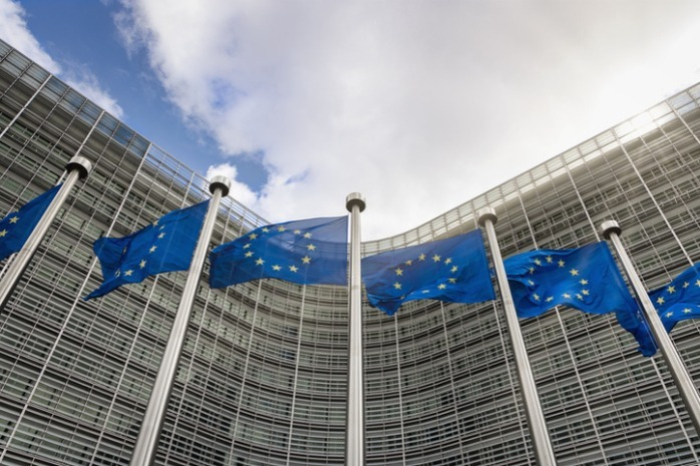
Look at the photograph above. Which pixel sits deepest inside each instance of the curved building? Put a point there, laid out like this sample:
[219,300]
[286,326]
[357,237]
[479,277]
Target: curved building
[263,377]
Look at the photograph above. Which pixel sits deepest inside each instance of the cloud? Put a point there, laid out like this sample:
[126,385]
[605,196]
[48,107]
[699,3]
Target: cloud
[14,28]
[82,79]
[239,191]
[418,106]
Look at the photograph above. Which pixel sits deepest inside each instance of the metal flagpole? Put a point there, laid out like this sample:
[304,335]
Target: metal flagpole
[77,168]
[538,429]
[355,432]
[147,441]
[611,231]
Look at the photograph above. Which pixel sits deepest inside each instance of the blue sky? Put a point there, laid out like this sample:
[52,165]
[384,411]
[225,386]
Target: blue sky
[82,35]
[419,105]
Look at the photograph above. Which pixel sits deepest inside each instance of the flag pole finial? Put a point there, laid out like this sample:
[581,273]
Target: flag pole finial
[487,213]
[609,227]
[81,165]
[355,199]
[220,182]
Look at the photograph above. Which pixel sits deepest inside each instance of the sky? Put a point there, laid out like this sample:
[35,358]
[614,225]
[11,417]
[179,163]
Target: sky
[420,105]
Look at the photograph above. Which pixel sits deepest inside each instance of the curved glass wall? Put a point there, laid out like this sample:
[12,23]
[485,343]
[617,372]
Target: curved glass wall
[263,376]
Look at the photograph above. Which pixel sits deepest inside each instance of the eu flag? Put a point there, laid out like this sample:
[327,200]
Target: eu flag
[167,245]
[586,279]
[312,251]
[16,227]
[680,299]
[452,270]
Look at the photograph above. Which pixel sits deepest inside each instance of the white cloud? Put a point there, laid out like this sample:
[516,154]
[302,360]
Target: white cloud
[417,105]
[82,79]
[239,191]
[14,29]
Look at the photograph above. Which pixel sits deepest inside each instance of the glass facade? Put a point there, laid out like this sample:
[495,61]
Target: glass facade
[262,380]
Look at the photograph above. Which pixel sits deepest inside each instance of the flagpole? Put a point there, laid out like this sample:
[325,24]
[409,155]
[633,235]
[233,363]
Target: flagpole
[355,432]
[684,383]
[538,429]
[77,168]
[152,424]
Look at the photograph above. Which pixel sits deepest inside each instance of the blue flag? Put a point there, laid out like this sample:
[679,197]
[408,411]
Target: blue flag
[167,245]
[680,299]
[312,251]
[453,270]
[586,279]
[16,227]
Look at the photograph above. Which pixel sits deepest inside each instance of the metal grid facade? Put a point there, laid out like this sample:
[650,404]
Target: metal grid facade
[262,378]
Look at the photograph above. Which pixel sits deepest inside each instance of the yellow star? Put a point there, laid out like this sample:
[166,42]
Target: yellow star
[276,267]
[697,282]
[265,230]
[422,258]
[660,300]
[293,268]
[671,289]
[246,246]
[297,232]
[409,262]
[311,247]
[549,259]
[161,236]
[669,314]
[128,273]
[687,311]
[583,281]
[117,273]
[532,270]
[14,219]
[399,271]
[536,296]
[579,296]
[550,299]
[531,283]
[561,263]
[566,295]
[538,262]
[281,229]
[448,260]
[142,264]
[397,285]
[249,254]
[253,236]
[436,258]
[686,285]
[585,292]
[306,260]
[454,269]
[573,272]
[442,286]
[307,235]
[259,262]
[3,233]
[452,280]
[153,249]
[155,224]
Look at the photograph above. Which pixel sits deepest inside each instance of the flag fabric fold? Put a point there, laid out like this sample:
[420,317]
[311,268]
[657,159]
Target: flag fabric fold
[680,299]
[310,251]
[585,278]
[451,270]
[16,227]
[167,245]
